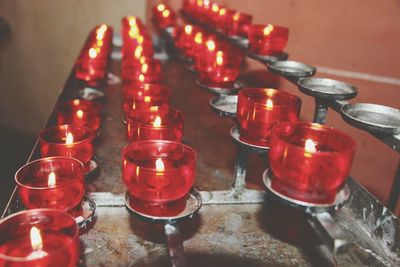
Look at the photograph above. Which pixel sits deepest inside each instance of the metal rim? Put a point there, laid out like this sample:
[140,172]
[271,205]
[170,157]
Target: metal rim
[89,93]
[92,166]
[218,102]
[342,196]
[317,87]
[88,206]
[268,59]
[235,133]
[193,204]
[292,69]
[386,114]
[222,91]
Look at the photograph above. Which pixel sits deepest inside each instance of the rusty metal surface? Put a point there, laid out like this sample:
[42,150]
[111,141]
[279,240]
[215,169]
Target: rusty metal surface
[267,234]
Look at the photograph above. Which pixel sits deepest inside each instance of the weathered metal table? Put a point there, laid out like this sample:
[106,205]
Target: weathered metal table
[268,234]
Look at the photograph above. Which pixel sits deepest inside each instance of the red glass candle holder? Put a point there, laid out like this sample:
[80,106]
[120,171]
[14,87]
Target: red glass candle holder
[310,162]
[259,109]
[144,96]
[237,23]
[150,69]
[159,175]
[90,73]
[67,140]
[53,182]
[155,124]
[163,16]
[79,112]
[39,237]
[220,69]
[267,39]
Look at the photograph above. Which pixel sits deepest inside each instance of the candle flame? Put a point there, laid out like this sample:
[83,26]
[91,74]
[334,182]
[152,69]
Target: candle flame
[310,146]
[198,38]
[79,113]
[210,45]
[92,53]
[157,122]
[188,29]
[142,60]
[36,239]
[133,31]
[160,165]
[270,104]
[161,7]
[236,16]
[268,29]
[140,39]
[220,59]
[141,77]
[51,181]
[165,13]
[69,139]
[131,20]
[138,52]
[145,68]
[215,7]
[222,11]
[102,28]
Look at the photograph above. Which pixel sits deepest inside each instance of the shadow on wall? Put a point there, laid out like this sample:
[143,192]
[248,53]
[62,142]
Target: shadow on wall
[15,150]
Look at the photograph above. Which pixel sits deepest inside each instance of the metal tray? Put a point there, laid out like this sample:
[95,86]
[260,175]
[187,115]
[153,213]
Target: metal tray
[373,118]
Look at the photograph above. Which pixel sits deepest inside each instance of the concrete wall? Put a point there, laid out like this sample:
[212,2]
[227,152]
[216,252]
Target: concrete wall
[46,36]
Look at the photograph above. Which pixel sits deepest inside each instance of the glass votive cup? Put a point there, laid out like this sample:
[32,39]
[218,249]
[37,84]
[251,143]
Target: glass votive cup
[39,237]
[146,67]
[53,182]
[237,23]
[158,174]
[219,69]
[267,39]
[141,96]
[163,123]
[79,112]
[259,109]
[89,73]
[310,162]
[67,140]
[163,16]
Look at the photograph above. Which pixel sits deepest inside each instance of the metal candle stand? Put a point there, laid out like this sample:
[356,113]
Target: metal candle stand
[174,240]
[323,90]
[222,91]
[320,217]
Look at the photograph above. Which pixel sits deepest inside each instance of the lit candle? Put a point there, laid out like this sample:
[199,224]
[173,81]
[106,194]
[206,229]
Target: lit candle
[259,109]
[79,112]
[55,182]
[163,16]
[159,175]
[163,123]
[267,39]
[67,140]
[310,162]
[39,238]
[219,69]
